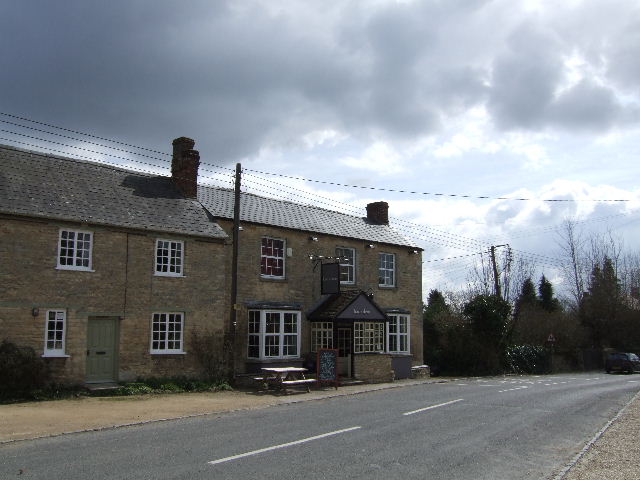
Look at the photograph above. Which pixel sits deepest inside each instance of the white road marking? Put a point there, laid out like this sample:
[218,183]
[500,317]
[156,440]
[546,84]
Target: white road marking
[512,389]
[282,445]
[433,406]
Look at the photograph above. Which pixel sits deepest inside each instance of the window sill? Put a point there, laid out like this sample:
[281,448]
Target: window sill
[273,279]
[168,353]
[71,269]
[170,275]
[55,355]
[274,360]
[387,287]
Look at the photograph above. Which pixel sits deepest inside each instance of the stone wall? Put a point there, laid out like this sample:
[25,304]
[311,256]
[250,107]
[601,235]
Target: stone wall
[122,284]
[373,367]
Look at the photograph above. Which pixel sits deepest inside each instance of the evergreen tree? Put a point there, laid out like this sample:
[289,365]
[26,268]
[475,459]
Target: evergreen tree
[602,302]
[547,300]
[527,298]
[436,305]
[433,317]
[488,315]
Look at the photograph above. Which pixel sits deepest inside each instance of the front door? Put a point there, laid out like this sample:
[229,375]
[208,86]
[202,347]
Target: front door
[345,343]
[102,335]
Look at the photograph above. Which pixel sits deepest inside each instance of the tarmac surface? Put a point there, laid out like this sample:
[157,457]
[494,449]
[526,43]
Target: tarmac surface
[613,453]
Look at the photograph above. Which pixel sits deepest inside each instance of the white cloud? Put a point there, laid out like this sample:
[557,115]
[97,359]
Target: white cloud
[380,157]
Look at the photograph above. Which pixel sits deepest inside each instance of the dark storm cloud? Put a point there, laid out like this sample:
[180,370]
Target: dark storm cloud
[241,76]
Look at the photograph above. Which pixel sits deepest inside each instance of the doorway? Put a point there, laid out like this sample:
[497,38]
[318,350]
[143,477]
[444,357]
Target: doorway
[345,347]
[102,343]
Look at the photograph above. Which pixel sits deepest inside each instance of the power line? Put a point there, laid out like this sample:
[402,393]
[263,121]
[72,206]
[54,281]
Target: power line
[451,258]
[82,133]
[454,195]
[76,139]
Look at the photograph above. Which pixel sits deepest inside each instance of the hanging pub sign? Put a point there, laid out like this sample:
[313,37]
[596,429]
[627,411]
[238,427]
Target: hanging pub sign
[327,366]
[330,278]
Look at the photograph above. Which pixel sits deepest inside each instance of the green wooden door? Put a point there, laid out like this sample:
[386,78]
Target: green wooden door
[102,335]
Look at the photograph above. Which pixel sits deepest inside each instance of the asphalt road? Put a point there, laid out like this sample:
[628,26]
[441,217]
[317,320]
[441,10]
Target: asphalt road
[525,427]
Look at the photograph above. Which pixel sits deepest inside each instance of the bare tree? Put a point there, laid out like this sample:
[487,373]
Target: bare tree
[512,271]
[572,245]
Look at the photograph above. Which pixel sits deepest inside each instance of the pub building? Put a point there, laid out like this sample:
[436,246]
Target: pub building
[310,278]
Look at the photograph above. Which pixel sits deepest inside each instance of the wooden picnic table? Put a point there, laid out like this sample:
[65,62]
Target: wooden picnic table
[283,377]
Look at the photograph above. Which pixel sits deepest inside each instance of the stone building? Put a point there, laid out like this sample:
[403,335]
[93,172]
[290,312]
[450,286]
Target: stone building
[114,274]
[108,273]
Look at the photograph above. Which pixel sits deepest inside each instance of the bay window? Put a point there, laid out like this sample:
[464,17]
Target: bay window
[368,337]
[398,333]
[273,334]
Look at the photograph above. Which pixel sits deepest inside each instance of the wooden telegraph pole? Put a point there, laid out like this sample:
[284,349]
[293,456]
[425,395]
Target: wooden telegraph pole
[496,278]
[234,269]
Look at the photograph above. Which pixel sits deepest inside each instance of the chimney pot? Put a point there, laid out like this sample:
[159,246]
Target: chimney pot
[184,166]
[378,212]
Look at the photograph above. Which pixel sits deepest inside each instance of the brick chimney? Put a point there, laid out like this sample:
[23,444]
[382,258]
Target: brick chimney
[378,213]
[184,166]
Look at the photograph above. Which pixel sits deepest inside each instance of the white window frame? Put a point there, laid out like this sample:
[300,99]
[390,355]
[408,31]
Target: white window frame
[387,270]
[76,254]
[167,319]
[55,339]
[368,337]
[259,337]
[174,258]
[348,267]
[321,335]
[265,258]
[399,330]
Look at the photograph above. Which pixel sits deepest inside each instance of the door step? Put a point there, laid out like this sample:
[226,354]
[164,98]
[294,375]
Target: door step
[350,381]
[96,387]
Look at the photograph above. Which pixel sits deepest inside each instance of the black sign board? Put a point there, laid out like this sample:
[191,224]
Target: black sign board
[327,366]
[330,282]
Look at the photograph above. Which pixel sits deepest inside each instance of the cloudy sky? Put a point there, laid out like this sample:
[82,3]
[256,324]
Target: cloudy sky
[467,98]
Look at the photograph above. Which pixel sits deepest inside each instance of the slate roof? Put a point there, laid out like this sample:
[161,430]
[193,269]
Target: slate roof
[49,186]
[40,185]
[269,211]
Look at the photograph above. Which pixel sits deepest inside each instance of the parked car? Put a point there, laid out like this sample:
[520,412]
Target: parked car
[622,362]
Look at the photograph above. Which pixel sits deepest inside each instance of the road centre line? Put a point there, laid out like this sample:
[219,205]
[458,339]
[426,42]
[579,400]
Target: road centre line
[282,445]
[433,406]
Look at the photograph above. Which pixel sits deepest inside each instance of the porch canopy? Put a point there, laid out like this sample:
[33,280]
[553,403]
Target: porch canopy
[347,307]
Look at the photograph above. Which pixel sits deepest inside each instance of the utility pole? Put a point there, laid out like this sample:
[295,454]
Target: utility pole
[234,268]
[496,279]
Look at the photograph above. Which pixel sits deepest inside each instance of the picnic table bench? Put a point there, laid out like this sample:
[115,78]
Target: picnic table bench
[282,377]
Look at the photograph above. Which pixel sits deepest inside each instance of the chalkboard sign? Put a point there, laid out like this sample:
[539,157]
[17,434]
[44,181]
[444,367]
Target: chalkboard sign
[327,366]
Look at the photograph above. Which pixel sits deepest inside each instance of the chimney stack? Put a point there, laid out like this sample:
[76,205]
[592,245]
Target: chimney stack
[184,166]
[378,213]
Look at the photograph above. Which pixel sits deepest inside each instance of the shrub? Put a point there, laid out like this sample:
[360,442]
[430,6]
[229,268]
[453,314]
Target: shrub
[213,353]
[135,388]
[22,371]
[527,359]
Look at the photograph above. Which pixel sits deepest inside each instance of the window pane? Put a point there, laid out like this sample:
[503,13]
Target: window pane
[166,332]
[55,332]
[272,323]
[272,257]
